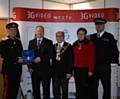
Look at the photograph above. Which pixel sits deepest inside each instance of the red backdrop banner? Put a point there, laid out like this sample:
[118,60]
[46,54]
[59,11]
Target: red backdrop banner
[44,15]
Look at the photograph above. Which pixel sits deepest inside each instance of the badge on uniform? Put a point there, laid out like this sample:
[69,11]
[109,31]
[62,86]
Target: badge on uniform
[28,56]
[58,58]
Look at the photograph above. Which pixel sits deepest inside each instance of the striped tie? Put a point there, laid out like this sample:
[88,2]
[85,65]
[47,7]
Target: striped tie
[38,43]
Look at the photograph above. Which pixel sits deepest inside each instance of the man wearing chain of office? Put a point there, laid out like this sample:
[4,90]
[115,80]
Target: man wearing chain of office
[62,66]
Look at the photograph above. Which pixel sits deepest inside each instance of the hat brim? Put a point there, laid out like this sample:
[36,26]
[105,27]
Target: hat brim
[12,28]
[100,23]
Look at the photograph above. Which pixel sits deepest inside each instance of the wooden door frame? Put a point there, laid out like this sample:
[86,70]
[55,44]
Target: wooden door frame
[1,36]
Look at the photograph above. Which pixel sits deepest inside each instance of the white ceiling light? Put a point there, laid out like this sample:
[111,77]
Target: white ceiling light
[69,1]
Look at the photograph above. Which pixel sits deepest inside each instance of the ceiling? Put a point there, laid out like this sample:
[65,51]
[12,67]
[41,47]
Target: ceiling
[69,1]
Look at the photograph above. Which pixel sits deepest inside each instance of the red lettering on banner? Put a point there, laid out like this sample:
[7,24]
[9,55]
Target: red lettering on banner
[33,15]
[43,15]
[91,15]
[65,18]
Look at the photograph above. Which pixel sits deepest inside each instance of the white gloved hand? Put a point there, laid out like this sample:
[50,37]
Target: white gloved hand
[20,60]
[68,76]
[37,60]
[90,74]
[30,70]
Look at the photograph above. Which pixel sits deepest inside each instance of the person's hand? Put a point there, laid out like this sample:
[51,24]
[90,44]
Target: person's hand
[68,76]
[20,60]
[30,70]
[90,74]
[37,60]
[73,73]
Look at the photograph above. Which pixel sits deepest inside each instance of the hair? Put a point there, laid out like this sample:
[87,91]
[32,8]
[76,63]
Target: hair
[40,26]
[82,29]
[18,34]
[60,32]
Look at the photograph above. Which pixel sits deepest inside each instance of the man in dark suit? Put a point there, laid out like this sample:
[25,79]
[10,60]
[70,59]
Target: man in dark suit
[40,68]
[106,54]
[62,66]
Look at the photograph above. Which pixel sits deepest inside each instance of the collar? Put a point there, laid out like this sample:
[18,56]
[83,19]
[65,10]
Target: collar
[101,34]
[40,39]
[61,43]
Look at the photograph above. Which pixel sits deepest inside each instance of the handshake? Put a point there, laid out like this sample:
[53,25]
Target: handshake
[37,60]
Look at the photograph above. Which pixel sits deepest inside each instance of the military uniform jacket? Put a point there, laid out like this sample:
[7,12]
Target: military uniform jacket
[106,49]
[65,65]
[10,51]
[45,53]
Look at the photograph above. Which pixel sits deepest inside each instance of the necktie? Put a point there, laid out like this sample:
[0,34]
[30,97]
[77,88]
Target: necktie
[59,46]
[98,35]
[38,43]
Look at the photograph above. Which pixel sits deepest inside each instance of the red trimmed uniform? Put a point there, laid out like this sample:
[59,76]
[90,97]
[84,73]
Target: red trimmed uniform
[10,50]
[84,57]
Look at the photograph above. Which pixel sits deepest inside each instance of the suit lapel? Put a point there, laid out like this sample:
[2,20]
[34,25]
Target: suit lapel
[103,34]
[64,44]
[64,47]
[35,43]
[42,45]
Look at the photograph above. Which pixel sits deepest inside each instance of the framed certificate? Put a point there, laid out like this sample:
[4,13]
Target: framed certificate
[28,56]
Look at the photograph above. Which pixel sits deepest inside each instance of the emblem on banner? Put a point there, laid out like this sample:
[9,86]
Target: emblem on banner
[67,35]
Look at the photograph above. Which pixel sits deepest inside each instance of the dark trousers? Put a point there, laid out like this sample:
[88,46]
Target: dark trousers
[11,85]
[60,84]
[81,83]
[38,79]
[105,76]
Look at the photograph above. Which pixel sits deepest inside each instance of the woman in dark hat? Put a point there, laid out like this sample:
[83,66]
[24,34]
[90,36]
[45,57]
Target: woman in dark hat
[11,52]
[14,25]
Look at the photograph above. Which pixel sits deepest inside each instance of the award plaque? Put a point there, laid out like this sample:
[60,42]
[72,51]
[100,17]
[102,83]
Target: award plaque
[28,56]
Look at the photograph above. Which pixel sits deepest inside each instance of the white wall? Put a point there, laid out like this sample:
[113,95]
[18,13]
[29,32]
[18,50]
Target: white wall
[4,8]
[98,4]
[37,4]
[90,5]
[49,5]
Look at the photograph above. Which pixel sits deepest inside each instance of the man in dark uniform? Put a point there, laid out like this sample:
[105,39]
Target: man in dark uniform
[40,68]
[106,54]
[11,52]
[62,66]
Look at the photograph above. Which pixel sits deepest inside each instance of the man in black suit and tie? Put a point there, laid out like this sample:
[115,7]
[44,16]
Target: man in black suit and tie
[62,66]
[40,68]
[106,54]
